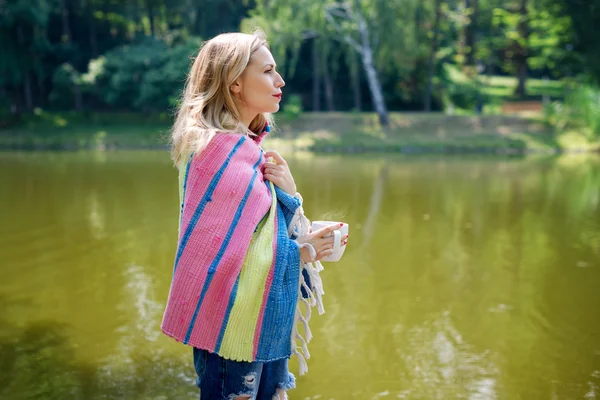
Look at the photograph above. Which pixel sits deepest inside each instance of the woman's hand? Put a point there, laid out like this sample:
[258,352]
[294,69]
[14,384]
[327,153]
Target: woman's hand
[322,243]
[279,173]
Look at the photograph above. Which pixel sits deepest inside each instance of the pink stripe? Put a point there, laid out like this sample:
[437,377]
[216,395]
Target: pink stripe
[203,168]
[212,312]
[268,284]
[204,245]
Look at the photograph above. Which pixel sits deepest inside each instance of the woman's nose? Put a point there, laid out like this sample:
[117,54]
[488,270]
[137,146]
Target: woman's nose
[280,82]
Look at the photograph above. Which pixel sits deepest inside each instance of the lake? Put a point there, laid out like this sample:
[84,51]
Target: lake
[465,277]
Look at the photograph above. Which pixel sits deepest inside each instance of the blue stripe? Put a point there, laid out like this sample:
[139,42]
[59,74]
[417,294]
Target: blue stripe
[187,172]
[226,319]
[217,260]
[280,309]
[288,203]
[205,199]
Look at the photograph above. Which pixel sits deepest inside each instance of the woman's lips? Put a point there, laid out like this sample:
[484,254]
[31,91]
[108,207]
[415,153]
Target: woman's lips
[278,96]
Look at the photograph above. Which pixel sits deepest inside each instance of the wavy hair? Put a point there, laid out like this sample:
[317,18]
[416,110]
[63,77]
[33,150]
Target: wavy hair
[207,106]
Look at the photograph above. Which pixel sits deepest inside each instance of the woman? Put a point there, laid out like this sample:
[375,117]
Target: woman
[244,261]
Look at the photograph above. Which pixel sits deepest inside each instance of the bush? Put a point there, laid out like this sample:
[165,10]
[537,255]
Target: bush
[463,95]
[64,80]
[459,90]
[148,76]
[292,108]
[580,110]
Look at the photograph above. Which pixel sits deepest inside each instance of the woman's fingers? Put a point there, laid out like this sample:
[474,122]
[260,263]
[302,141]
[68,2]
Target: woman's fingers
[273,177]
[273,167]
[328,229]
[276,156]
[324,254]
[323,242]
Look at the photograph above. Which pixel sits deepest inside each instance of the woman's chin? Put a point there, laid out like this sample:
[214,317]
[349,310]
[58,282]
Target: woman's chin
[269,109]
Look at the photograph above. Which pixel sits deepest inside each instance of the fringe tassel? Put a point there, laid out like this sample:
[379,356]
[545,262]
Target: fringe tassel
[307,331]
[304,346]
[299,226]
[302,362]
[308,312]
[314,293]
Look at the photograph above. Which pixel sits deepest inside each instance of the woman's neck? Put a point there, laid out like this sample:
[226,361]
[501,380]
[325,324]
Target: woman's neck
[246,115]
[247,119]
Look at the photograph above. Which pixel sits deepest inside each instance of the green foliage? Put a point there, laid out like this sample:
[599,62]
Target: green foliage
[146,76]
[549,40]
[22,23]
[64,81]
[585,19]
[134,55]
[580,111]
[463,96]
[460,90]
[292,109]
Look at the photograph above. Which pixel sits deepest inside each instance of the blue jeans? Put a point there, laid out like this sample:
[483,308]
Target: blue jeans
[221,379]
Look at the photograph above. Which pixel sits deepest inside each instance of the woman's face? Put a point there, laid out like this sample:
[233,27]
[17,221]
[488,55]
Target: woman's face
[259,86]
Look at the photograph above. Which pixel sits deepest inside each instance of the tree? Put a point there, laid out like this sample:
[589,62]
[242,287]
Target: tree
[584,16]
[472,7]
[522,47]
[358,37]
[379,32]
[24,42]
[432,55]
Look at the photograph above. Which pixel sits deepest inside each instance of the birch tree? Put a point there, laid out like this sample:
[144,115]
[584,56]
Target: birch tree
[349,23]
[377,31]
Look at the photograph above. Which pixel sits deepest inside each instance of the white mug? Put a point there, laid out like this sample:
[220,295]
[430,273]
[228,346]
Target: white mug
[338,249]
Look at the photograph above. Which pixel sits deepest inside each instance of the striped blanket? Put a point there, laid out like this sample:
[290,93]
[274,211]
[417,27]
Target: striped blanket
[238,280]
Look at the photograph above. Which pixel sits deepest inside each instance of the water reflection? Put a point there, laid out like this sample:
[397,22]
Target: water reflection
[39,360]
[465,278]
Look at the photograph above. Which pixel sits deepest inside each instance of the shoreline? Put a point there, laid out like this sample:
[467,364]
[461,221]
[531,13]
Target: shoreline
[333,133]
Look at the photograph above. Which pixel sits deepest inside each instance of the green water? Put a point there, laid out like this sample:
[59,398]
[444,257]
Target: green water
[465,277]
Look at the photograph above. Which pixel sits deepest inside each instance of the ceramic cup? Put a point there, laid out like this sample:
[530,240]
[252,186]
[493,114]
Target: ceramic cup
[338,248]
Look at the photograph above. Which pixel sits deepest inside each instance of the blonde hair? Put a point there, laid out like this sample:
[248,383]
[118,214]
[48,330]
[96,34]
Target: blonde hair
[207,105]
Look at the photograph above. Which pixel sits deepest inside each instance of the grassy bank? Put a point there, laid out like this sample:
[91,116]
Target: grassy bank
[71,130]
[319,132]
[426,133]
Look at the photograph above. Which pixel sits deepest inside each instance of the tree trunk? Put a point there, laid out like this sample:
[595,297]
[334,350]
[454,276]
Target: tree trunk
[471,31]
[356,84]
[434,47]
[328,86]
[202,26]
[191,16]
[65,21]
[27,92]
[41,89]
[371,72]
[316,81]
[522,55]
[89,15]
[150,8]
[375,87]
[419,11]
[28,97]
[77,96]
[93,38]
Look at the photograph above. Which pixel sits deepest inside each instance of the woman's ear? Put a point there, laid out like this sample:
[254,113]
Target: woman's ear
[236,87]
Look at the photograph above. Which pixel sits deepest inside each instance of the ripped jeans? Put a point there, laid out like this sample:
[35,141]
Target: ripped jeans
[221,379]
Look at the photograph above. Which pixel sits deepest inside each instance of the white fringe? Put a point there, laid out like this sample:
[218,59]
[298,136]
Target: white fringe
[300,225]
[301,361]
